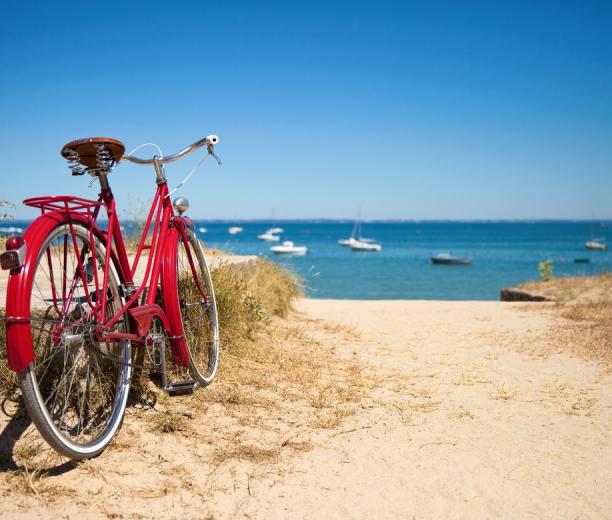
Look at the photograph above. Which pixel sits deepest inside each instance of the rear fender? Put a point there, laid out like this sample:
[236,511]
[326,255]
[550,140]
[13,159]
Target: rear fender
[19,346]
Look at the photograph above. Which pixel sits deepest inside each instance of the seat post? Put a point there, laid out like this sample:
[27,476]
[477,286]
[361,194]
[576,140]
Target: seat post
[104,182]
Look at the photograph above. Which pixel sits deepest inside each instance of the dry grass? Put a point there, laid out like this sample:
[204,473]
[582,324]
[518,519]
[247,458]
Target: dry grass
[248,296]
[169,421]
[504,394]
[407,409]
[470,378]
[589,328]
[573,288]
[584,406]
[332,419]
[246,450]
[464,414]
[339,328]
[425,407]
[33,459]
[585,304]
[556,389]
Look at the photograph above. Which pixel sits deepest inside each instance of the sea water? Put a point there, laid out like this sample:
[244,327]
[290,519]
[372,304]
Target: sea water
[503,254]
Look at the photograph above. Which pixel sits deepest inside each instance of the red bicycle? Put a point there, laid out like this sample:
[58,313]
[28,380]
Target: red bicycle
[75,307]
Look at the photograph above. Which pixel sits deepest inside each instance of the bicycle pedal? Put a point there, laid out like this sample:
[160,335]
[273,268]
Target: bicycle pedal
[181,388]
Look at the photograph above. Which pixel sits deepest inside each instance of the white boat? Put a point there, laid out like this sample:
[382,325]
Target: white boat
[358,243]
[271,235]
[10,229]
[351,240]
[289,248]
[361,246]
[268,237]
[347,241]
[596,244]
[202,229]
[234,230]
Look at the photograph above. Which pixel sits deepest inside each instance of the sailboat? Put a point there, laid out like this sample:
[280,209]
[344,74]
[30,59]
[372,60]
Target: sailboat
[356,237]
[351,239]
[596,244]
[358,243]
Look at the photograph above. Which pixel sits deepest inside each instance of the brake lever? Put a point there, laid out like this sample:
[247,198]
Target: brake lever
[211,148]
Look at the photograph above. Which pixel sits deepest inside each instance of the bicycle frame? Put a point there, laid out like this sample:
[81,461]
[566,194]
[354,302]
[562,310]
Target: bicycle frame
[73,210]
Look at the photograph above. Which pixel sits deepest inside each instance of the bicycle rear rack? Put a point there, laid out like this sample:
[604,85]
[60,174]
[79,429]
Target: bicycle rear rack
[64,204]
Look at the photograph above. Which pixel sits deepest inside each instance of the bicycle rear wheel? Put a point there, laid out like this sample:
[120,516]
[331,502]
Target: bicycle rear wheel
[188,291]
[76,388]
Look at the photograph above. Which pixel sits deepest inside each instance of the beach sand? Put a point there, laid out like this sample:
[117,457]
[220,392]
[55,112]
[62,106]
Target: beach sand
[477,412]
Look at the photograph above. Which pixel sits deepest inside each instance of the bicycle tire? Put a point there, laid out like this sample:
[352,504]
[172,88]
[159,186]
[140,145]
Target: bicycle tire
[77,407]
[198,316]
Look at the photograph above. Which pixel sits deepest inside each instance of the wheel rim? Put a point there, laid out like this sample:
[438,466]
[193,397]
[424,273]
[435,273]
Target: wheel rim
[80,385]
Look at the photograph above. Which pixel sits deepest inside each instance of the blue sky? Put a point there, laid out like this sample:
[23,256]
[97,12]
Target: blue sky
[407,110]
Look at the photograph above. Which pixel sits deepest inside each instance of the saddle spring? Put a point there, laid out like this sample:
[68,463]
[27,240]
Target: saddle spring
[104,159]
[73,162]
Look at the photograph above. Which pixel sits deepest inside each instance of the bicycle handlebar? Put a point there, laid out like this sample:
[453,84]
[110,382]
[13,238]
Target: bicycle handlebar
[210,141]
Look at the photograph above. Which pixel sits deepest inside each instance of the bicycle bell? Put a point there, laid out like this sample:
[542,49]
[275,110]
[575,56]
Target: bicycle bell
[181,204]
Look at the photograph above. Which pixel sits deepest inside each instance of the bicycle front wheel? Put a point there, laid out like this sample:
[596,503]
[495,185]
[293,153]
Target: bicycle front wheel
[76,388]
[188,291]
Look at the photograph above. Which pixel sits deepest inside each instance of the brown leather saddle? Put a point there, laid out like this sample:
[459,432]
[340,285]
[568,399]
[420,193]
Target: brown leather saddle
[94,155]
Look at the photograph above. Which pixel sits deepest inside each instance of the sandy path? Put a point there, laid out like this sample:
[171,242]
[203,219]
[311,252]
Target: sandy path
[465,425]
[469,420]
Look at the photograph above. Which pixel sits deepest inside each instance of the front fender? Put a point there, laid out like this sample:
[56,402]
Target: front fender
[171,298]
[19,346]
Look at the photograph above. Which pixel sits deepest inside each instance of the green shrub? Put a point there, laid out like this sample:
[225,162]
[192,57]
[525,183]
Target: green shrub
[546,270]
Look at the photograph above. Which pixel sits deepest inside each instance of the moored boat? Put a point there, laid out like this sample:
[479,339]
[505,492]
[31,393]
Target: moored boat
[361,246]
[596,244]
[357,240]
[268,237]
[235,230]
[289,248]
[449,259]
[347,241]
[271,235]
[10,230]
